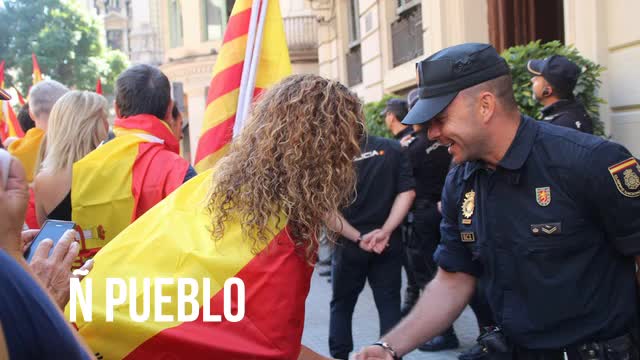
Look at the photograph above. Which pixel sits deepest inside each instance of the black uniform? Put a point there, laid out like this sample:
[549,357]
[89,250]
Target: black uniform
[430,162]
[383,173]
[551,233]
[568,113]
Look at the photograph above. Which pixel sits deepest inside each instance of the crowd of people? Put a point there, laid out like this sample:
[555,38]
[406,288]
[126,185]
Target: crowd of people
[533,223]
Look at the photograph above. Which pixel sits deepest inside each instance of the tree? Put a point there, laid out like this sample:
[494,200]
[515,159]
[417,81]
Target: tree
[586,90]
[65,40]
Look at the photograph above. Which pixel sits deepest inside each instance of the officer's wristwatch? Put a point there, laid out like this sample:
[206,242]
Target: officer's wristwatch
[388,348]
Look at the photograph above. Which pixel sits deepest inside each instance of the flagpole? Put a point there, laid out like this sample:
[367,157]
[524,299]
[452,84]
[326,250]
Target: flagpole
[248,55]
[255,61]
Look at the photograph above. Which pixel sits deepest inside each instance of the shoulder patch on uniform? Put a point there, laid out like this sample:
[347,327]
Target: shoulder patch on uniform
[626,176]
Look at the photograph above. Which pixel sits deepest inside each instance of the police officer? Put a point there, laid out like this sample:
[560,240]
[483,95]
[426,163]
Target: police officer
[370,245]
[430,162]
[546,218]
[554,79]
[393,113]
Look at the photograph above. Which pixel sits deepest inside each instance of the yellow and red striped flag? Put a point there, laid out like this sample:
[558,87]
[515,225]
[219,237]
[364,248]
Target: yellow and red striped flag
[244,68]
[173,241]
[9,125]
[37,74]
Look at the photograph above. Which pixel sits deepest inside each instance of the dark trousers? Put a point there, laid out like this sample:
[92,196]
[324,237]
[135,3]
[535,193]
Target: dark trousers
[421,239]
[351,267]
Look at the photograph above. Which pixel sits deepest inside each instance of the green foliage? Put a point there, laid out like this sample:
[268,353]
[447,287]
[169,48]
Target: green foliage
[375,122]
[586,90]
[65,40]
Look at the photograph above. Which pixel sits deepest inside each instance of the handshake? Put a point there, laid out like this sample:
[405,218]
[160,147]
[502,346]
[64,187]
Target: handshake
[375,241]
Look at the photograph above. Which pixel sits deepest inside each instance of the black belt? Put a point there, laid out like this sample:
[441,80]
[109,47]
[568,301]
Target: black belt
[621,347]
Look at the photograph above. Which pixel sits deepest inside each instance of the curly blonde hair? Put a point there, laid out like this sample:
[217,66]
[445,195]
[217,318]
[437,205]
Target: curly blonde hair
[294,157]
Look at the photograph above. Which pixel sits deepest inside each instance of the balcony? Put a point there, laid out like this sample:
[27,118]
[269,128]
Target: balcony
[302,37]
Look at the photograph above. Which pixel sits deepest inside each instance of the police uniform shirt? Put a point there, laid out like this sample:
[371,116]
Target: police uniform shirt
[430,162]
[568,113]
[383,172]
[550,233]
[406,131]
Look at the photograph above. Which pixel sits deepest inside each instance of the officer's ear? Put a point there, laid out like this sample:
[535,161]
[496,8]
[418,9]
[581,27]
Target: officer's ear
[487,105]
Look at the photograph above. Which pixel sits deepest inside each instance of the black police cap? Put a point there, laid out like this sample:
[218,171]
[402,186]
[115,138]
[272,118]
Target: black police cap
[398,106]
[444,74]
[559,71]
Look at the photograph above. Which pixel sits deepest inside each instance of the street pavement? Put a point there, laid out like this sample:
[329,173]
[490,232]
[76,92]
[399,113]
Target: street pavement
[365,322]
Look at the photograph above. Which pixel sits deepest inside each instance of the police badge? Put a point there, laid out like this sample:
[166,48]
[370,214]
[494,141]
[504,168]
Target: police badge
[626,176]
[468,205]
[543,196]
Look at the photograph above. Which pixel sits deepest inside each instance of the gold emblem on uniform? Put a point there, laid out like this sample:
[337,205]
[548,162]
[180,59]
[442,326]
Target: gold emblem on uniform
[468,204]
[626,176]
[631,179]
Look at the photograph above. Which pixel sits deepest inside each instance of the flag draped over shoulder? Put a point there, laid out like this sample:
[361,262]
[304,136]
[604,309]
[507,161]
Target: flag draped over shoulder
[37,74]
[253,56]
[9,125]
[123,178]
[173,240]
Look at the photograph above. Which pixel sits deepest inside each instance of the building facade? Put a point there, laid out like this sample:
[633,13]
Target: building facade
[130,26]
[193,31]
[372,45]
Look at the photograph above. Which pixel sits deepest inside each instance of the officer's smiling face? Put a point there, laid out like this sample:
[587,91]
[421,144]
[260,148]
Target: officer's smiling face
[457,128]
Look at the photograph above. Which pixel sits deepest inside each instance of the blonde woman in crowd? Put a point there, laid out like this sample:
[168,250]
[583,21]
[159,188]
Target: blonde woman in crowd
[77,125]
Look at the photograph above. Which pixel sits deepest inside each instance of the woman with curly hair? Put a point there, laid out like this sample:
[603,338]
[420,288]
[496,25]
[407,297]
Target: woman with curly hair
[256,216]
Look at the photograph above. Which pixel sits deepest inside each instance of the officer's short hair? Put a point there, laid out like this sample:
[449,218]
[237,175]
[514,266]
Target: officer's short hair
[43,96]
[400,114]
[501,87]
[143,89]
[562,93]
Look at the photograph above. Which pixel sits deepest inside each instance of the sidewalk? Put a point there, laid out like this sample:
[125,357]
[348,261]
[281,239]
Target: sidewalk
[365,323]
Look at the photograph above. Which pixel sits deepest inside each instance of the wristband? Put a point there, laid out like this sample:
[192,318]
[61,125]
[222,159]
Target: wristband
[388,348]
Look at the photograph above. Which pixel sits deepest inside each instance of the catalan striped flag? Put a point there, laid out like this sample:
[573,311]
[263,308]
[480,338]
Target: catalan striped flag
[37,74]
[173,240]
[9,125]
[244,68]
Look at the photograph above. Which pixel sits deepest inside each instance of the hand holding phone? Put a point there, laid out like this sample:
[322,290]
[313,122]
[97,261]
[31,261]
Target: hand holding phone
[51,229]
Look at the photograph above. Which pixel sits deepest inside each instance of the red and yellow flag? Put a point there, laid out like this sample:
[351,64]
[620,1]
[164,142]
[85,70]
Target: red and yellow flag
[99,86]
[37,74]
[27,150]
[119,181]
[173,241]
[253,56]
[9,125]
[20,97]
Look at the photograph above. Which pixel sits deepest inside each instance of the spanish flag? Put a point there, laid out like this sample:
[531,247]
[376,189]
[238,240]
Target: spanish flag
[37,74]
[243,70]
[173,241]
[120,180]
[9,125]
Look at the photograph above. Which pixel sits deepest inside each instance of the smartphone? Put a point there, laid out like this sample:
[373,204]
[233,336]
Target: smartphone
[51,229]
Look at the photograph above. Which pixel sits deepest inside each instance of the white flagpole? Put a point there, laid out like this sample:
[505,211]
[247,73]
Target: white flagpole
[246,67]
[255,62]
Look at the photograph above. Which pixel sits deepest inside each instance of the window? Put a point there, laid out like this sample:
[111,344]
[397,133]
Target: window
[114,39]
[354,22]
[406,35]
[214,19]
[354,55]
[175,23]
[405,5]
